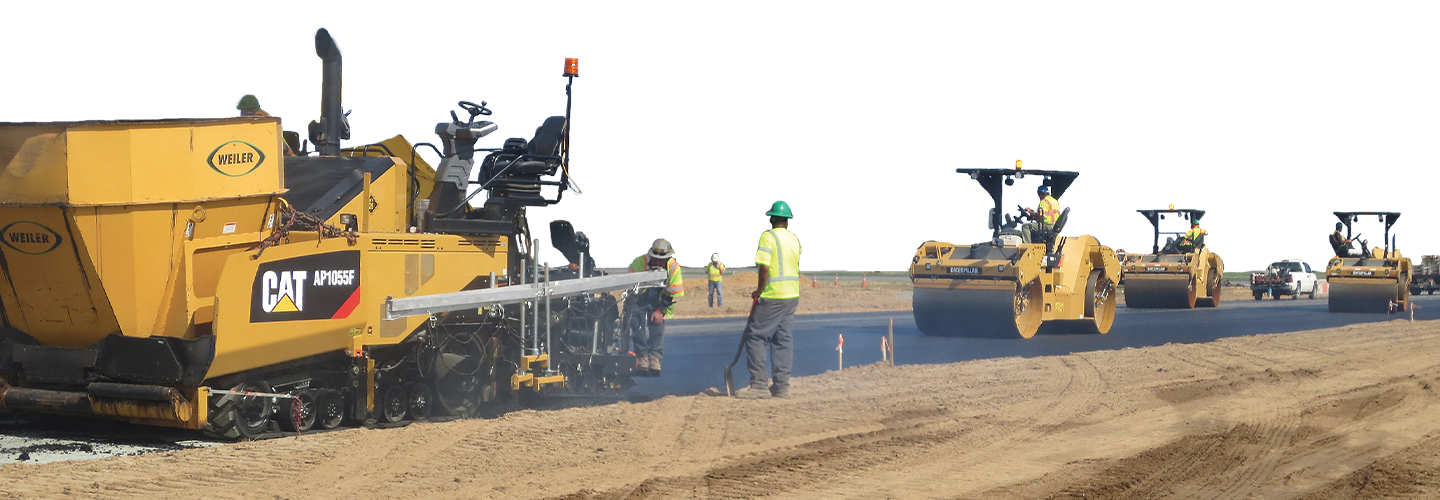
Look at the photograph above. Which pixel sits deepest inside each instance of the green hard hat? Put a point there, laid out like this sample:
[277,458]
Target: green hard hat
[249,102]
[780,209]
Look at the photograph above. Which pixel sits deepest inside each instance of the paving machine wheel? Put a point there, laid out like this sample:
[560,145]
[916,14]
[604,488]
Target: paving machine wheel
[394,401]
[421,400]
[329,408]
[1374,280]
[1001,310]
[299,413]
[239,414]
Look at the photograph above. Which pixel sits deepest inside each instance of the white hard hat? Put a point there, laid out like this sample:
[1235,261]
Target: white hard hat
[715,257]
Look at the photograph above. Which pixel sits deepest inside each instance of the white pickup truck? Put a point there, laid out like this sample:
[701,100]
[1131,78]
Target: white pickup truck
[1291,277]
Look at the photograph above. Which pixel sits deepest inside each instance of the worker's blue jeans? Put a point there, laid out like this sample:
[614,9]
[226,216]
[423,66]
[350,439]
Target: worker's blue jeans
[717,291]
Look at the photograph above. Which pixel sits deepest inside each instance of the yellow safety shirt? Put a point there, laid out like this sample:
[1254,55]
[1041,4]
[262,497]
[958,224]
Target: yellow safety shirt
[1195,233]
[675,286]
[1049,210]
[779,251]
[716,271]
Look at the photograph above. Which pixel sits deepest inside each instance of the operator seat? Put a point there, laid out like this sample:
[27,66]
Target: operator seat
[1048,237]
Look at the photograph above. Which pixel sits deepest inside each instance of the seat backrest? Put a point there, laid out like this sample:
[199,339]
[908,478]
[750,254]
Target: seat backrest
[1060,222]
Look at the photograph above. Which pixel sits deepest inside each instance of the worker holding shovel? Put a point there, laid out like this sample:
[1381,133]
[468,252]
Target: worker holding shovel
[776,298]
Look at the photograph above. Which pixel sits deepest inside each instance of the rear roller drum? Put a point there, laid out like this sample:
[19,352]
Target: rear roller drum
[983,311]
[1214,285]
[1151,292]
[1365,297]
[1101,305]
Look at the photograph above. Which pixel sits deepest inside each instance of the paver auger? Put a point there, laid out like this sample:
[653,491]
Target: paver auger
[1177,275]
[1006,288]
[1370,279]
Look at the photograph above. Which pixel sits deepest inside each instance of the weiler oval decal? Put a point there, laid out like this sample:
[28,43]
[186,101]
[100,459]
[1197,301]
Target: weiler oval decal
[29,237]
[235,158]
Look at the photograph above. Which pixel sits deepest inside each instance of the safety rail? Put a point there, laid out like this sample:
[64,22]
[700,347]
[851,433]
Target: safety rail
[396,308]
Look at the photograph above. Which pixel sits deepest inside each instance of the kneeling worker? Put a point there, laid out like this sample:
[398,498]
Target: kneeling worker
[654,305]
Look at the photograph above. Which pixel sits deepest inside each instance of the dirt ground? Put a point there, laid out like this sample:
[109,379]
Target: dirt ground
[1338,413]
[878,295]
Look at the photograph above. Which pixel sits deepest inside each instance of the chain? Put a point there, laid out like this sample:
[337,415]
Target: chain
[296,414]
[294,220]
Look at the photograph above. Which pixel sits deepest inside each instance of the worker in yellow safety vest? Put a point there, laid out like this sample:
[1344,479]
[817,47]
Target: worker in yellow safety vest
[1044,218]
[646,320]
[777,296]
[715,270]
[1194,239]
[250,106]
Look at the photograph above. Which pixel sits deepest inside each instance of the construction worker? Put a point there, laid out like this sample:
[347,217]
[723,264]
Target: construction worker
[1341,244]
[715,270]
[777,295]
[652,306]
[1193,239]
[250,106]
[1044,218]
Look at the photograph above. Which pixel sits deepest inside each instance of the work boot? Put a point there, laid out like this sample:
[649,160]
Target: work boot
[748,392]
[642,364]
[780,393]
[654,365]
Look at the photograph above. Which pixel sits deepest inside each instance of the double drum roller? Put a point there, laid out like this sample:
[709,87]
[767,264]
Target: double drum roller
[1180,275]
[1369,279]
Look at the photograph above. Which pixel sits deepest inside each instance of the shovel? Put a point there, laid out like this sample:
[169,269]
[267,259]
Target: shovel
[730,384]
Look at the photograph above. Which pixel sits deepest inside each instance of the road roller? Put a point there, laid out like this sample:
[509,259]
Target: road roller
[1005,288]
[217,275]
[1373,280]
[1180,275]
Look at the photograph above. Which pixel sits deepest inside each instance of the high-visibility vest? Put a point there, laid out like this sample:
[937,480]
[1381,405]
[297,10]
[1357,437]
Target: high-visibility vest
[1195,233]
[674,286]
[716,271]
[779,251]
[1049,210]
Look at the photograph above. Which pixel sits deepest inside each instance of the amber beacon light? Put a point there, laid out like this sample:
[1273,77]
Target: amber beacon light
[572,67]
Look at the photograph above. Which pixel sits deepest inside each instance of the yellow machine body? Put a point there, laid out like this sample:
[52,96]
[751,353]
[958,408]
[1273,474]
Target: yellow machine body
[124,242]
[989,290]
[1374,283]
[1181,280]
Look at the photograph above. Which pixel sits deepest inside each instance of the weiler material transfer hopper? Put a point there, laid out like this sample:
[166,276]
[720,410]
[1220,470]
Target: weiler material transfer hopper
[112,236]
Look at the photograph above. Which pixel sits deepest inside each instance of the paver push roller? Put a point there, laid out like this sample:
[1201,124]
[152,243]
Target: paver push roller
[1006,288]
[1370,279]
[1177,276]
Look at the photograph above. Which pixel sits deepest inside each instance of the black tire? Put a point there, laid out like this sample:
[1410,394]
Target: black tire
[393,404]
[421,401]
[304,404]
[1314,289]
[1296,296]
[1258,294]
[238,416]
[329,409]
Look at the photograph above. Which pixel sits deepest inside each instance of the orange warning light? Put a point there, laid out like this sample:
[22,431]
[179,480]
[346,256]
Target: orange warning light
[572,66]
[1017,164]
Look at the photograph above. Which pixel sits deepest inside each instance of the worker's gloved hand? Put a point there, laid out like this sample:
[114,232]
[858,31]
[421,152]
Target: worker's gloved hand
[657,317]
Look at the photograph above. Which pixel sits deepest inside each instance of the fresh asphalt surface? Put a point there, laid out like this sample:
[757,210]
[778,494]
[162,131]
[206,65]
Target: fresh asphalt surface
[697,350]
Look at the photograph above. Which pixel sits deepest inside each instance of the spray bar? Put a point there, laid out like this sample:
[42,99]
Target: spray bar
[474,299]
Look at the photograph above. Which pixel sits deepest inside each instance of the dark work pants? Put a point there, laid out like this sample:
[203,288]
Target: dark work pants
[769,327]
[647,339]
